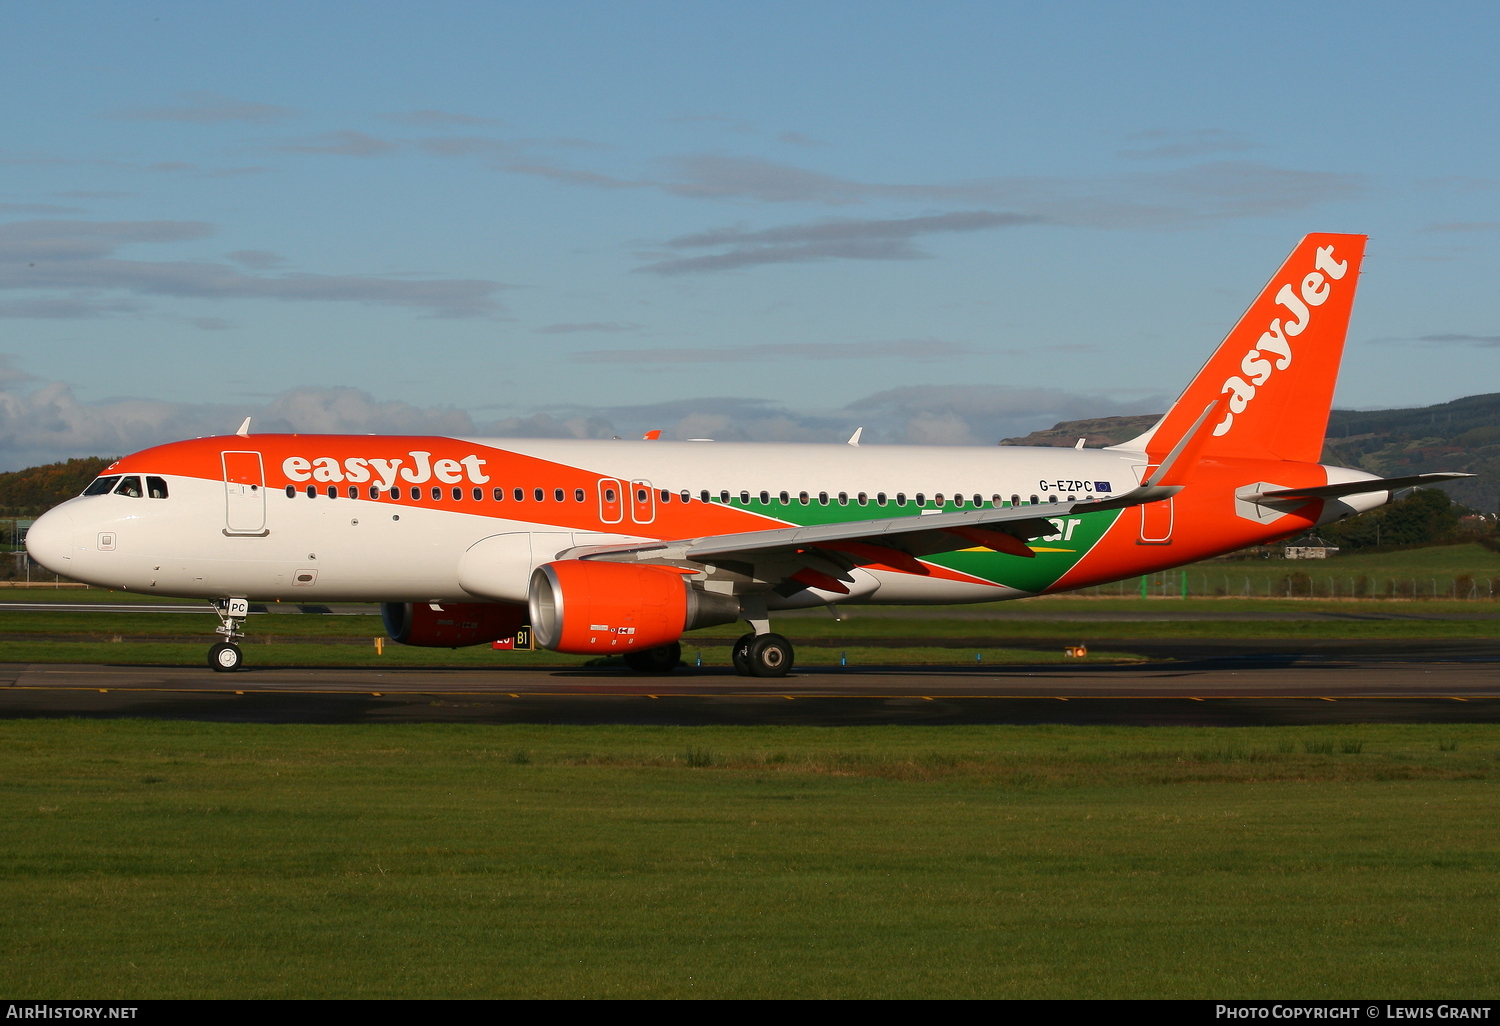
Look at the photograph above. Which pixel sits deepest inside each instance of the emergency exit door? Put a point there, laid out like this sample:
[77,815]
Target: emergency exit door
[244,494]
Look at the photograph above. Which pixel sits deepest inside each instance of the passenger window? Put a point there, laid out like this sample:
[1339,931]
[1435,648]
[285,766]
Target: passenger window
[1033,500]
[479,495]
[577,494]
[557,495]
[333,491]
[130,486]
[686,496]
[862,499]
[374,491]
[786,500]
[312,491]
[901,498]
[101,485]
[499,494]
[539,495]
[437,494]
[843,498]
[802,498]
[958,499]
[921,500]
[979,501]
[291,491]
[822,498]
[744,498]
[723,496]
[666,496]
[156,487]
[765,498]
[1015,500]
[520,494]
[880,498]
[396,493]
[703,495]
[353,491]
[937,500]
[458,495]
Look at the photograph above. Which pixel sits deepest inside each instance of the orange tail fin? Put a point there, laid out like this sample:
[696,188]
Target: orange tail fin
[1274,373]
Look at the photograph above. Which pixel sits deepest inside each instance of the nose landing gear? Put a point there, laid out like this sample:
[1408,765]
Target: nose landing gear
[225,656]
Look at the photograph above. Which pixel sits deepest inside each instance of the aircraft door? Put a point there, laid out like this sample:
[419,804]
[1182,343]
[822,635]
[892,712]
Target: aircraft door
[611,501]
[642,502]
[244,493]
[1156,523]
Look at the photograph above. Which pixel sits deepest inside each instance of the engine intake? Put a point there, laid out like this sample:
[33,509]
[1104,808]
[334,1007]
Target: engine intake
[453,625]
[587,606]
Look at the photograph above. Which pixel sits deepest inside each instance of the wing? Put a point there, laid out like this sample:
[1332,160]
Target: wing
[898,541]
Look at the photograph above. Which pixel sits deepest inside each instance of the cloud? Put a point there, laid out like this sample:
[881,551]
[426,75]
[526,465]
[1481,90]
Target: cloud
[437,117]
[839,238]
[1202,193]
[65,308]
[921,414]
[1476,341]
[206,108]
[41,422]
[36,208]
[256,259]
[78,255]
[1165,144]
[920,349]
[568,329]
[342,144]
[1463,226]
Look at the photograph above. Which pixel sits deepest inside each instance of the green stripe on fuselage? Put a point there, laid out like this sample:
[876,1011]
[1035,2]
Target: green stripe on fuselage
[1056,553]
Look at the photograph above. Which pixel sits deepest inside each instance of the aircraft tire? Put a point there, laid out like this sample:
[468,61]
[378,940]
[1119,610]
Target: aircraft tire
[769,655]
[225,658]
[740,655]
[663,659]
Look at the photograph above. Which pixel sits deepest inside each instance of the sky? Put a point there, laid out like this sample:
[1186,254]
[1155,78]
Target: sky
[944,222]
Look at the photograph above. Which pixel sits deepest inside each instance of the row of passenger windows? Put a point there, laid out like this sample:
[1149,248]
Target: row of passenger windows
[128,484]
[920,499]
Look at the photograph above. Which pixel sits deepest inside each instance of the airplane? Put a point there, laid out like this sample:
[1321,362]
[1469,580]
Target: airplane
[620,547]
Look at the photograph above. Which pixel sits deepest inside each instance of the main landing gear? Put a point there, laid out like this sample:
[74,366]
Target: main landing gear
[225,656]
[762,655]
[655,660]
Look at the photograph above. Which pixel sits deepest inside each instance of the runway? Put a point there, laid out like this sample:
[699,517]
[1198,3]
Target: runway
[1236,690]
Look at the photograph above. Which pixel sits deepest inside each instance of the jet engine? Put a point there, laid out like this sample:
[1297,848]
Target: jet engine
[451,624]
[588,606]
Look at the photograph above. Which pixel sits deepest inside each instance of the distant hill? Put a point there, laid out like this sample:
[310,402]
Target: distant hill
[1463,435]
[33,491]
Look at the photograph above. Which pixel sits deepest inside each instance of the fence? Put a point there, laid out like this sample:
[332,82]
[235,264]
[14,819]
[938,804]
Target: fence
[1297,584]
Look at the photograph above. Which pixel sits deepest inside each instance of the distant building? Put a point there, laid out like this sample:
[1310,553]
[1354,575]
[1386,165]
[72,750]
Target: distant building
[1310,547]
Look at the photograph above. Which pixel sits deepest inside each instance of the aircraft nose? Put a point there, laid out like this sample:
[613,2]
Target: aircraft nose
[49,541]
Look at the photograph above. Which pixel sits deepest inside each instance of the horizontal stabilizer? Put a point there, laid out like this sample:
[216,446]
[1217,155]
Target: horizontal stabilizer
[1334,491]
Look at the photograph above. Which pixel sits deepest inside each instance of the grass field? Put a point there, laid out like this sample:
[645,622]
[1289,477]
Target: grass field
[148,859]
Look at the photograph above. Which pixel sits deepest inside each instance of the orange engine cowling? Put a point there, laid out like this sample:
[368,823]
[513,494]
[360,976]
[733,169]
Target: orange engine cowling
[587,606]
[453,625]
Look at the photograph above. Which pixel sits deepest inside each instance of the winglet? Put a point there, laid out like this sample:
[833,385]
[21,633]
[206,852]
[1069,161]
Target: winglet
[244,431]
[854,438]
[651,436]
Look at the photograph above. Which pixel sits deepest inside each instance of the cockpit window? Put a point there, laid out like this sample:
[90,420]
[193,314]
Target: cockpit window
[101,485]
[130,486]
[156,487]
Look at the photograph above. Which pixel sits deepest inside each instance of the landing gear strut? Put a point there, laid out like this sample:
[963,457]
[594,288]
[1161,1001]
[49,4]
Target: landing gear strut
[225,656]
